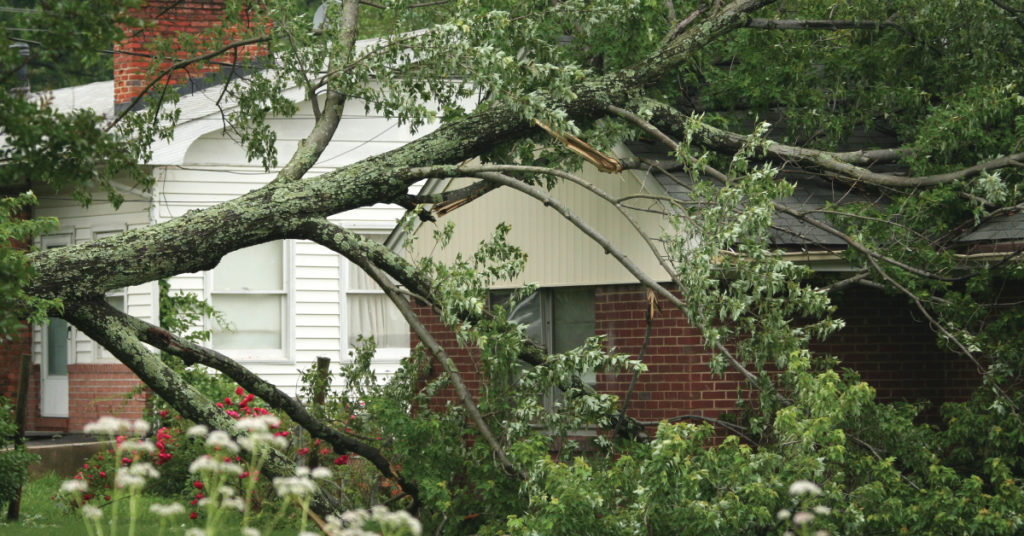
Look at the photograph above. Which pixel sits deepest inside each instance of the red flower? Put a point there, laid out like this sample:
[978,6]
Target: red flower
[303,451]
[239,391]
[243,475]
[86,496]
[126,460]
[85,466]
[282,433]
[193,515]
[227,401]
[341,460]
[219,405]
[103,474]
[197,484]
[163,413]
[106,497]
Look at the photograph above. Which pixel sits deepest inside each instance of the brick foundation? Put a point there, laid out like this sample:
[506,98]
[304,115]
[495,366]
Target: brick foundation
[892,350]
[94,390]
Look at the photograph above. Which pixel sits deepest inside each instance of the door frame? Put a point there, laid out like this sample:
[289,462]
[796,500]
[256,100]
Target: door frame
[53,389]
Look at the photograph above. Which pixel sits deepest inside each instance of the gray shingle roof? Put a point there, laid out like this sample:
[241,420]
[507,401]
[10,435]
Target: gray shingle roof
[813,193]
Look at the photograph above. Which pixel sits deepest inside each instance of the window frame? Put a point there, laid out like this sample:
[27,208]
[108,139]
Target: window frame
[386,353]
[286,353]
[546,296]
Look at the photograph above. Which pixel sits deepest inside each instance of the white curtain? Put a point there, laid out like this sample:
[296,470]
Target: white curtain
[371,313]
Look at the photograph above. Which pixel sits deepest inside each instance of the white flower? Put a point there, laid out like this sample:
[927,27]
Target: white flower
[280,442]
[107,425]
[141,426]
[198,430]
[74,486]
[226,491]
[307,533]
[167,510]
[143,469]
[321,473]
[804,487]
[802,518]
[125,479]
[298,486]
[821,533]
[783,514]
[195,532]
[137,445]
[249,531]
[302,470]
[822,510]
[260,423]
[210,464]
[233,502]
[221,439]
[91,512]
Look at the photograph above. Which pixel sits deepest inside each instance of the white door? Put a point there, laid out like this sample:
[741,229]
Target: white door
[57,339]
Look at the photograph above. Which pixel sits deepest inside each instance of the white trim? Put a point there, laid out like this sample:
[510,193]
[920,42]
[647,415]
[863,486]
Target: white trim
[48,386]
[272,356]
[383,229]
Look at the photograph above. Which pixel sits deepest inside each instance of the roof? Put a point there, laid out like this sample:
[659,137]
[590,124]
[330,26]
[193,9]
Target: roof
[810,193]
[814,193]
[200,110]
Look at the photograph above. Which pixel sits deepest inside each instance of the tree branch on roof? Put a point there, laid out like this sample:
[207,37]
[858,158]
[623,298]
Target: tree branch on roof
[843,166]
[821,24]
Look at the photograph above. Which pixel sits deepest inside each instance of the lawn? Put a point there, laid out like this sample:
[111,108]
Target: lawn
[41,516]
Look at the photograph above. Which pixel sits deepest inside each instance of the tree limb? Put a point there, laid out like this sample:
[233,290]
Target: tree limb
[116,331]
[820,24]
[846,166]
[439,354]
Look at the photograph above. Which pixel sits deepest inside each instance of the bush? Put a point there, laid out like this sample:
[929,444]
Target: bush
[15,461]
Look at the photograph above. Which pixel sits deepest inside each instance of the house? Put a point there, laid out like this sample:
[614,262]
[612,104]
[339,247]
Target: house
[583,291]
[304,301]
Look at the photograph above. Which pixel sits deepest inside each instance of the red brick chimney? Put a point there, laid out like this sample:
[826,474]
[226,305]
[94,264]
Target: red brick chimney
[169,19]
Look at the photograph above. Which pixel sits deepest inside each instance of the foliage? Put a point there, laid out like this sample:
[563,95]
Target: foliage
[14,459]
[938,81]
[15,270]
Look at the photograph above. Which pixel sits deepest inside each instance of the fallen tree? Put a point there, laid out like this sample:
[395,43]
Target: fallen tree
[688,78]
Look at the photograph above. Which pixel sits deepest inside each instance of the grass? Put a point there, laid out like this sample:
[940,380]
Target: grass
[42,516]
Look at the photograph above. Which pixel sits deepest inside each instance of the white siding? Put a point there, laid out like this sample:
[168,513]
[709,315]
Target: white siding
[214,170]
[82,225]
[558,253]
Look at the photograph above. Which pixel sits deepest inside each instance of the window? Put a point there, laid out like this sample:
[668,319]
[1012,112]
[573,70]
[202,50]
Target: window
[559,319]
[369,312]
[250,288]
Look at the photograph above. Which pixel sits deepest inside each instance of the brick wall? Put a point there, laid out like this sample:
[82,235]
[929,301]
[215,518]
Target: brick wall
[10,361]
[94,390]
[895,351]
[891,348]
[165,20]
